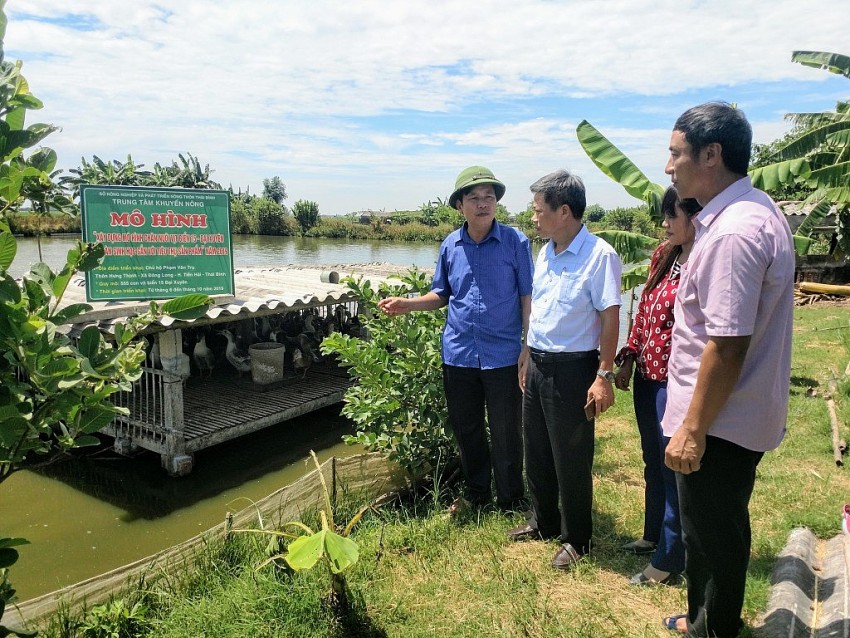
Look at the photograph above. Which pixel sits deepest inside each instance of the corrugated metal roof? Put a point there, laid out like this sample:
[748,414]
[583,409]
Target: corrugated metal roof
[794,208]
[258,292]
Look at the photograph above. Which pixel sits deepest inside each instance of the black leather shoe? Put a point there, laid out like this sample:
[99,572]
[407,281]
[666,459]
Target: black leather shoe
[524,533]
[566,557]
[640,546]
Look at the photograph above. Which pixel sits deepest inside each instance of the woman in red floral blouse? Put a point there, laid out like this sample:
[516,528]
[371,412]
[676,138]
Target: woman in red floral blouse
[649,346]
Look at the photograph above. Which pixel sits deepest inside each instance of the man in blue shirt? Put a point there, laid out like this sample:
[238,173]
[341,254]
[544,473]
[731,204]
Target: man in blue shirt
[484,274]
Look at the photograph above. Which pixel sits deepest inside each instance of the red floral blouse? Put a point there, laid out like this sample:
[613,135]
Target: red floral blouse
[649,342]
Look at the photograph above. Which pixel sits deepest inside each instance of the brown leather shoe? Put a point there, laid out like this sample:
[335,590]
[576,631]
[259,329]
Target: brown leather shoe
[566,557]
[524,533]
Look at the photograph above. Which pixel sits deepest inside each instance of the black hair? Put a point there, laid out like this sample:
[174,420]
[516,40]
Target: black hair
[670,253]
[721,123]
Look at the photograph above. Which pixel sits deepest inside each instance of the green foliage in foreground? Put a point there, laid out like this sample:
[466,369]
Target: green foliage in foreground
[422,573]
[54,391]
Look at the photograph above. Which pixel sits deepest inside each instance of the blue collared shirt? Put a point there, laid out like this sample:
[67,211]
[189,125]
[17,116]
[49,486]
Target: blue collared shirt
[570,290]
[484,283]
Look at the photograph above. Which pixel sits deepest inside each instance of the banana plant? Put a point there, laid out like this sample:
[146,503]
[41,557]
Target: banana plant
[634,249]
[820,145]
[332,547]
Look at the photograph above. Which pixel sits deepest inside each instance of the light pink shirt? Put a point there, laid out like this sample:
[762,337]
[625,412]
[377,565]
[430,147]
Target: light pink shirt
[738,281]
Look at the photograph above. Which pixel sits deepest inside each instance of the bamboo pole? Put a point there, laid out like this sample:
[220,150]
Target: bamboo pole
[824,289]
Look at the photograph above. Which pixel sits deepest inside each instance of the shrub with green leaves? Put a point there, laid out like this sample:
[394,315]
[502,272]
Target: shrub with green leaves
[243,217]
[271,217]
[306,213]
[397,402]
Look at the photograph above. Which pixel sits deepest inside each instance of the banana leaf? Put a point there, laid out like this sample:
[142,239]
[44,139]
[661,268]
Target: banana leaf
[802,244]
[832,62]
[770,177]
[634,277]
[813,219]
[614,163]
[834,176]
[632,248]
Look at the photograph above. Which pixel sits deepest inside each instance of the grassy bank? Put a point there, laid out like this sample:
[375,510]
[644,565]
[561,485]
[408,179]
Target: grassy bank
[329,227]
[30,225]
[423,573]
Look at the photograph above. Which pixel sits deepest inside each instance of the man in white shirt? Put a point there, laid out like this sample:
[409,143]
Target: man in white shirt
[566,368]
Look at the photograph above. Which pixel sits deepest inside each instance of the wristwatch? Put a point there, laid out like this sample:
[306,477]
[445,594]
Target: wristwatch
[605,374]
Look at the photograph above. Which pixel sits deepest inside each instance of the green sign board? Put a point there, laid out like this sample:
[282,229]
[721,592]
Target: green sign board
[160,242]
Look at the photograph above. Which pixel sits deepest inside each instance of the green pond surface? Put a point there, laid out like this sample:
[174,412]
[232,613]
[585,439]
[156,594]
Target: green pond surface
[93,514]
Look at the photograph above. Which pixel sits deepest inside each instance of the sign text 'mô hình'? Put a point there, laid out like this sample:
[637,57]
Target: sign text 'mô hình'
[159,243]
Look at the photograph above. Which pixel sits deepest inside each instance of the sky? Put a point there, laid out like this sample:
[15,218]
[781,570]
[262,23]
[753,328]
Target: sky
[378,105]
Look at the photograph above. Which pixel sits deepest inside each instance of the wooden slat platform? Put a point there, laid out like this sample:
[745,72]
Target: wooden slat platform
[225,407]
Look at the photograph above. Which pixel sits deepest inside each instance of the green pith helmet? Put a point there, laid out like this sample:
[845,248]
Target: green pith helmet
[473,176]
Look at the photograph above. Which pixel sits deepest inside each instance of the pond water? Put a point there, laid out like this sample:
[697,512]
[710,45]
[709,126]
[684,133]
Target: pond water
[88,516]
[254,251]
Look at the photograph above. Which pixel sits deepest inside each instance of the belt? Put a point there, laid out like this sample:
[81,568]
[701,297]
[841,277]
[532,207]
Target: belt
[539,356]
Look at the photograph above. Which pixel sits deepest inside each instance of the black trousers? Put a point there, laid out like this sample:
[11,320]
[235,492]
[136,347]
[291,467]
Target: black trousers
[559,446]
[468,392]
[714,505]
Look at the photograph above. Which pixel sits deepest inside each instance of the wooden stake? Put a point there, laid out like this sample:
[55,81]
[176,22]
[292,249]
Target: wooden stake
[833,417]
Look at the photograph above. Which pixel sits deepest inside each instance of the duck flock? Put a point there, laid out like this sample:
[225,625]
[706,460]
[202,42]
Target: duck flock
[213,347]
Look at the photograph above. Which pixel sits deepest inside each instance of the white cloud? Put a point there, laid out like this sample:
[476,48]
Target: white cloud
[372,104]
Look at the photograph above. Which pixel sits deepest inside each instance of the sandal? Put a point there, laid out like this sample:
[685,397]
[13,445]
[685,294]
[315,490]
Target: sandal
[670,622]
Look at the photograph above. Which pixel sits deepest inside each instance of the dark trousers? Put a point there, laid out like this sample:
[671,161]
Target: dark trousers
[714,504]
[468,392]
[662,523]
[559,446]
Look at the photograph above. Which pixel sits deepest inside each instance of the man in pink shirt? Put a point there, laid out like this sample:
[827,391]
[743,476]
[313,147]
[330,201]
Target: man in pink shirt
[730,364]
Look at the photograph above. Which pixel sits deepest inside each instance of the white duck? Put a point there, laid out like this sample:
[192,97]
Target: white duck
[203,356]
[239,360]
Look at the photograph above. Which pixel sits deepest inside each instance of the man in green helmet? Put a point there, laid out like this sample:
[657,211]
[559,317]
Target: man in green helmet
[484,274]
